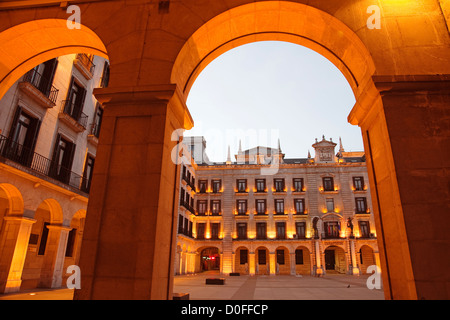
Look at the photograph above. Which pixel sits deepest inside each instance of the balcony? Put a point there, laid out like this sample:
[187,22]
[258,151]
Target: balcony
[39,89]
[94,134]
[70,115]
[85,64]
[38,165]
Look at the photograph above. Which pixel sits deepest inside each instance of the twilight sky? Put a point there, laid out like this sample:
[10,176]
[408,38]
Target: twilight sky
[267,90]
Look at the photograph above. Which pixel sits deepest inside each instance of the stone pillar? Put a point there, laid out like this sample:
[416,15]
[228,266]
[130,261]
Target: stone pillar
[55,252]
[404,122]
[129,239]
[319,269]
[355,269]
[251,263]
[292,261]
[272,263]
[13,248]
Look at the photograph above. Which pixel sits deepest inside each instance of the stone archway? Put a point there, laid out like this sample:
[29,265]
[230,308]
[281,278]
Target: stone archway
[39,41]
[401,98]
[14,235]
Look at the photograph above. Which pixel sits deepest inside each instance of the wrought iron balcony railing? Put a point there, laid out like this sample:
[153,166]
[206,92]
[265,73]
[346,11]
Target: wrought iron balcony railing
[74,112]
[39,164]
[42,84]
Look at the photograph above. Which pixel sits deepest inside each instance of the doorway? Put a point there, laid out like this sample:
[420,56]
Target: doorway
[210,259]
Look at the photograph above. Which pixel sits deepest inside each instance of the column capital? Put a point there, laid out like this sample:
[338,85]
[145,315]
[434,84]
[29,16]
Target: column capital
[20,219]
[405,84]
[147,95]
[384,85]
[58,227]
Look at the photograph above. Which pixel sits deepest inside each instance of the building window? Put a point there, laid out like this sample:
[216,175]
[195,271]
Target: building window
[262,256]
[241,185]
[202,186]
[358,183]
[22,138]
[364,229]
[73,105]
[261,206]
[62,160]
[97,120]
[180,224]
[242,230]
[71,242]
[215,207]
[215,231]
[300,228]
[361,205]
[330,204]
[298,184]
[299,206]
[87,174]
[216,185]
[243,256]
[261,230]
[279,206]
[104,81]
[41,77]
[260,185]
[202,206]
[281,230]
[328,184]
[280,256]
[241,206]
[186,230]
[332,229]
[298,256]
[201,230]
[44,237]
[279,185]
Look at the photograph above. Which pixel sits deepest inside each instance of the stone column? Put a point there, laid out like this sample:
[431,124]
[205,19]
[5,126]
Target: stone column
[355,269]
[404,122]
[292,261]
[272,263]
[319,269]
[55,252]
[13,249]
[251,263]
[129,239]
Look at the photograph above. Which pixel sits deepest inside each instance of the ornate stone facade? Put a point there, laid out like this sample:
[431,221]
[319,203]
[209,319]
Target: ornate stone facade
[308,216]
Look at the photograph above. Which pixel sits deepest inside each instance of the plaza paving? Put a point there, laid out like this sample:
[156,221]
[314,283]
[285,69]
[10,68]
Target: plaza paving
[329,287]
[244,287]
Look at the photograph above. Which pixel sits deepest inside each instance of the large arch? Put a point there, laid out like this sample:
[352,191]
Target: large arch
[12,200]
[275,20]
[26,45]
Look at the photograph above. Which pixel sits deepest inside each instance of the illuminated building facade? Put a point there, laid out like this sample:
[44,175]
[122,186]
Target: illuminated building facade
[50,124]
[267,214]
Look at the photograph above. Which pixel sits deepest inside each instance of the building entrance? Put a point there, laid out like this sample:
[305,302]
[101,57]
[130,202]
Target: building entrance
[209,259]
[330,259]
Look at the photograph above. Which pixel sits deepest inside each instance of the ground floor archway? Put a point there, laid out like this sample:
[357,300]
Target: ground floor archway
[335,260]
[210,259]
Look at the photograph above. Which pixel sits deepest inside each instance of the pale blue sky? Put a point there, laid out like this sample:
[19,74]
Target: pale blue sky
[267,90]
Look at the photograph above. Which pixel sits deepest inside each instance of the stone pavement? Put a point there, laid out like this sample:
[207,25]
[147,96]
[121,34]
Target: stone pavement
[329,287]
[244,287]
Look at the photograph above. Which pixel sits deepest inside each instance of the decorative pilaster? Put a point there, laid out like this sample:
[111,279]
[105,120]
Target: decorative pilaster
[55,252]
[129,239]
[13,245]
